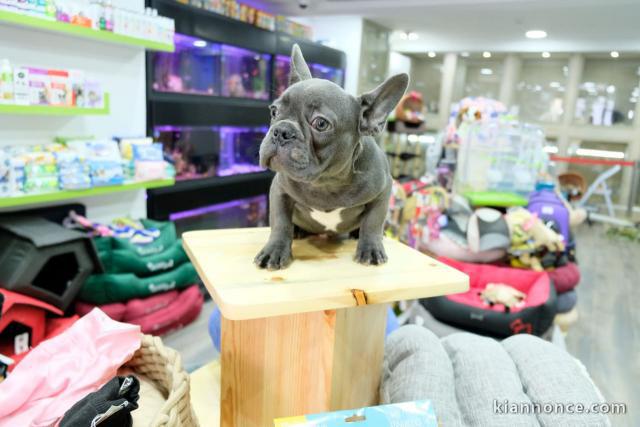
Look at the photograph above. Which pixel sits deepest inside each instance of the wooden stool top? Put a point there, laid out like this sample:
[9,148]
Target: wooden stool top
[322,276]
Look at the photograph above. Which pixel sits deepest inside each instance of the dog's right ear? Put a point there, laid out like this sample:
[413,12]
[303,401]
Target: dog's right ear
[376,105]
[299,68]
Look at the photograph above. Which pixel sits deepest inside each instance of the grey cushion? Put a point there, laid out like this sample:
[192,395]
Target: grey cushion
[463,374]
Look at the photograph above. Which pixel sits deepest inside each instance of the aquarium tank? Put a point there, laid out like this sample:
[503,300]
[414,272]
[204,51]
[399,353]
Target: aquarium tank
[283,67]
[207,151]
[240,213]
[193,68]
[245,73]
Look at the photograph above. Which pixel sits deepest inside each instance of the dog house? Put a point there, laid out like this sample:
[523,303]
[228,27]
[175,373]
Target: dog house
[45,260]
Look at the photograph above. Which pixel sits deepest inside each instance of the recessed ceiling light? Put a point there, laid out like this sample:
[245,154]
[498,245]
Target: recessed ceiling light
[431,54]
[615,54]
[486,54]
[465,54]
[412,36]
[546,55]
[486,71]
[536,34]
[200,43]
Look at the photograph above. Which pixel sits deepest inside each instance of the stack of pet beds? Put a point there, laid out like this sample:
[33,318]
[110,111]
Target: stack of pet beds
[522,241]
[473,380]
[148,281]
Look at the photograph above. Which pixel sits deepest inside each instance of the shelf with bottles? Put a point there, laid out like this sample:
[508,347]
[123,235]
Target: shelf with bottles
[40,91]
[69,168]
[202,67]
[94,20]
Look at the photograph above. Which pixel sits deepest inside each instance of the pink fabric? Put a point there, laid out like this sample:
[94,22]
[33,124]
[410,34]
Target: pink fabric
[61,371]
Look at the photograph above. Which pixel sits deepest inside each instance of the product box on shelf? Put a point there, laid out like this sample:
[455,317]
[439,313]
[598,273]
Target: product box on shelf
[38,82]
[21,89]
[58,88]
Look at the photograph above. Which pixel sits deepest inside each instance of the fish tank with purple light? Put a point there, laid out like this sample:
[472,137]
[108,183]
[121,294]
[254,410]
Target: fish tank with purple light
[194,67]
[245,73]
[241,213]
[207,151]
[283,67]
[320,71]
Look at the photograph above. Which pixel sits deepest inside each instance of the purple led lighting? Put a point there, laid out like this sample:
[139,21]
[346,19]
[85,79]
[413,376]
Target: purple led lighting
[216,208]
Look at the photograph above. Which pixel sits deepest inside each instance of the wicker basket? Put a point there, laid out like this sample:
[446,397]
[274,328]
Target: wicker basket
[163,366]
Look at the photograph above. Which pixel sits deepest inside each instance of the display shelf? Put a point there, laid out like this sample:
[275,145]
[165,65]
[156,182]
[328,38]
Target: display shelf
[31,199]
[78,31]
[196,193]
[54,110]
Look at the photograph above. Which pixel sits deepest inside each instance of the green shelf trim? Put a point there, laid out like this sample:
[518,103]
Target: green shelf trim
[30,199]
[55,110]
[495,198]
[78,31]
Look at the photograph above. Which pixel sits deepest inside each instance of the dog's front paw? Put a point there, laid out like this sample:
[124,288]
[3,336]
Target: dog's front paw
[274,256]
[370,253]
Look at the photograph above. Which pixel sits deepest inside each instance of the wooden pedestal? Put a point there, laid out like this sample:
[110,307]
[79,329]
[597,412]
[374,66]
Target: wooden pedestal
[309,338]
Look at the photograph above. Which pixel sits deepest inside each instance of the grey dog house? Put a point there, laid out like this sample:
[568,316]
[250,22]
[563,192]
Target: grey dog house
[44,260]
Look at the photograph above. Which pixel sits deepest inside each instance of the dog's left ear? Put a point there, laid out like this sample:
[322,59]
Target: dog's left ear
[376,105]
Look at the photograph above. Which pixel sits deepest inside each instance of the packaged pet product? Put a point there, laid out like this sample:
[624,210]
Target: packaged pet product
[59,88]
[417,413]
[73,170]
[21,90]
[149,162]
[94,96]
[6,82]
[76,84]
[40,171]
[105,162]
[38,83]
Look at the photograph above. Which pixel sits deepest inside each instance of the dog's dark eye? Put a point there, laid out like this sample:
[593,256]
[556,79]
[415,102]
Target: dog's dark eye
[320,124]
[274,112]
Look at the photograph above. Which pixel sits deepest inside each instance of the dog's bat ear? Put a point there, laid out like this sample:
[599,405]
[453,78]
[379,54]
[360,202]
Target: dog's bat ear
[299,68]
[376,105]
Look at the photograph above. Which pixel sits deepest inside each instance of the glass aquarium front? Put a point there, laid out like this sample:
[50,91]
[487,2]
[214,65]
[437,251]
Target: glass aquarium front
[201,152]
[319,71]
[241,213]
[194,67]
[245,73]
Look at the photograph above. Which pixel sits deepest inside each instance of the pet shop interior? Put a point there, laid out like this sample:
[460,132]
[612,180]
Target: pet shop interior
[134,198]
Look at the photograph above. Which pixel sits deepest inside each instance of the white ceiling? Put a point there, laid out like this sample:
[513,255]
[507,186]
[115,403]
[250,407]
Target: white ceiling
[495,25]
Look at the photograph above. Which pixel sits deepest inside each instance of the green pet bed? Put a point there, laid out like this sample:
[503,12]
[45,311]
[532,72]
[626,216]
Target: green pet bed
[126,261]
[108,288]
[495,198]
[167,239]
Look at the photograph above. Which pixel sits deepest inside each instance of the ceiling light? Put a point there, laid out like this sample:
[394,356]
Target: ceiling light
[486,54]
[200,43]
[551,149]
[412,36]
[431,54]
[403,35]
[546,55]
[614,54]
[536,34]
[587,152]
[486,71]
[465,54]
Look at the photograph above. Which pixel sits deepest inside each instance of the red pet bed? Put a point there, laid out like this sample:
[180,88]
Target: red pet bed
[565,278]
[469,311]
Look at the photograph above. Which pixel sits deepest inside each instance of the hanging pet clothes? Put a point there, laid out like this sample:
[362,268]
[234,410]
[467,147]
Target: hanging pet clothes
[430,203]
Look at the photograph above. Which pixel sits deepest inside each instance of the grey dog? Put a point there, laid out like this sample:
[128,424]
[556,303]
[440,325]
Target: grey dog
[331,175]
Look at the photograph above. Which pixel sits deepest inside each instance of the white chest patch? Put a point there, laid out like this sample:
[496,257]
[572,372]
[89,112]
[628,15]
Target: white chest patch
[329,220]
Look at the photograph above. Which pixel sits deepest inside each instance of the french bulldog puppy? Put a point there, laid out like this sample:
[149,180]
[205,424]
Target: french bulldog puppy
[331,175]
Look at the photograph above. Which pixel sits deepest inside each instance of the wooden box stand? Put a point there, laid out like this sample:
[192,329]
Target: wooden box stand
[309,338]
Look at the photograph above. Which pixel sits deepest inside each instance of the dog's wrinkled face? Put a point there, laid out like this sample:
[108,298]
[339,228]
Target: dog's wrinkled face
[314,131]
[316,126]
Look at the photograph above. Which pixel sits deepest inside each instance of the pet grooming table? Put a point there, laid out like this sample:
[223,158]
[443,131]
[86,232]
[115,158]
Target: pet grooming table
[309,338]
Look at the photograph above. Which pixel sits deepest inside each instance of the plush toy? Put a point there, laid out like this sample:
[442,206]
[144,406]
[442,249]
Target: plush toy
[498,293]
[530,238]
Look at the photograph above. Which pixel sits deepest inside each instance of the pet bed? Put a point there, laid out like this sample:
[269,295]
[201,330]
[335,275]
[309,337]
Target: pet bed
[464,374]
[468,310]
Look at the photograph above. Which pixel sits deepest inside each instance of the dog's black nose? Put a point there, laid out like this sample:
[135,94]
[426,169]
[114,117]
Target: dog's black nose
[283,133]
